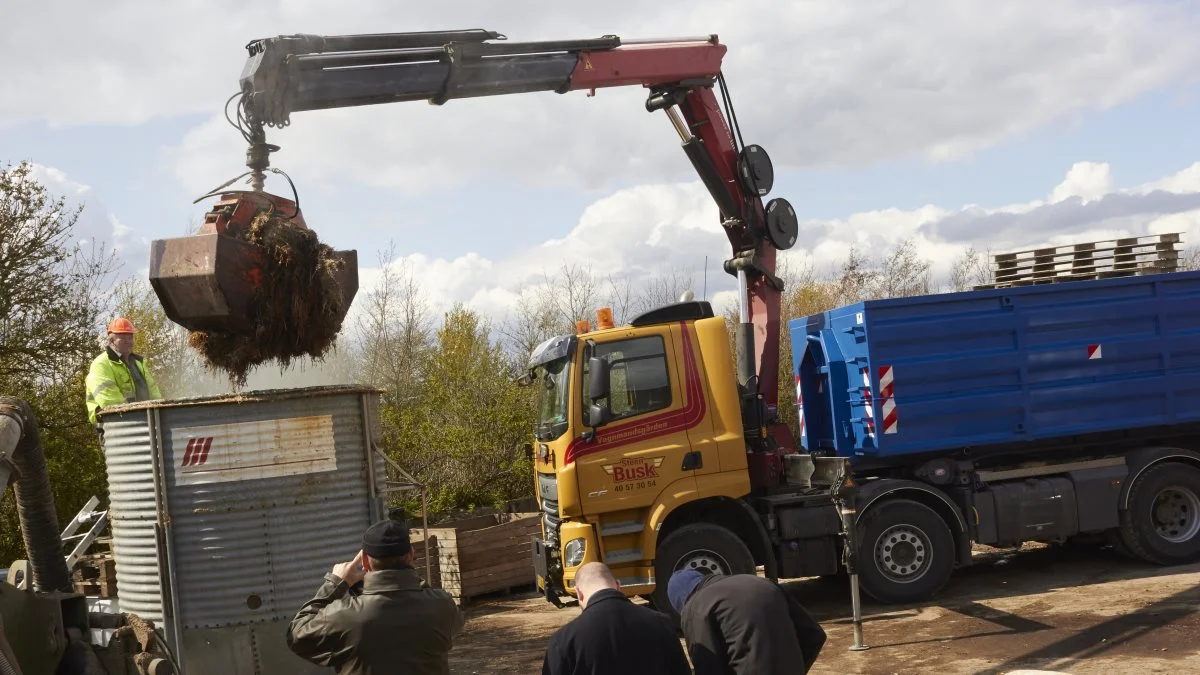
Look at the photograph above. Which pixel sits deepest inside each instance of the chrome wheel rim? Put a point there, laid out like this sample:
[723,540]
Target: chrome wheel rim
[903,553]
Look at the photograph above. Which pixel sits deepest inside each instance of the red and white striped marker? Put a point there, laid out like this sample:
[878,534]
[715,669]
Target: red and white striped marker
[800,405]
[887,399]
[869,423]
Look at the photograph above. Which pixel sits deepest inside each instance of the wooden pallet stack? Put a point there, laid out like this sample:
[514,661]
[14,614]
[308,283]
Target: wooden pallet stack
[479,555]
[95,575]
[1154,254]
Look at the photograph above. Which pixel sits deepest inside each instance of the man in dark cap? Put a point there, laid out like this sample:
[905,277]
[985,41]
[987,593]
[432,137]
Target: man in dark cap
[743,623]
[395,624]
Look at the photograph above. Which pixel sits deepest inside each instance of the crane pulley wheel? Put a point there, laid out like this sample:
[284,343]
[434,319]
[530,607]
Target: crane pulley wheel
[755,170]
[782,224]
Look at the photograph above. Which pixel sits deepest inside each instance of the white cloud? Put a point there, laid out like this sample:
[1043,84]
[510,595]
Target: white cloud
[648,230]
[1182,182]
[816,83]
[96,223]
[1086,180]
[632,233]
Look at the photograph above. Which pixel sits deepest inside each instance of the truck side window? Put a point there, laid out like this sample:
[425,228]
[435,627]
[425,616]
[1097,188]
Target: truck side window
[639,382]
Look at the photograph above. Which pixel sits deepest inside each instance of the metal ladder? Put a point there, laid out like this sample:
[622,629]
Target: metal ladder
[84,541]
[19,574]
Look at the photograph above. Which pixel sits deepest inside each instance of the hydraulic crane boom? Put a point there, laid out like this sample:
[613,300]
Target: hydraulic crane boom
[294,73]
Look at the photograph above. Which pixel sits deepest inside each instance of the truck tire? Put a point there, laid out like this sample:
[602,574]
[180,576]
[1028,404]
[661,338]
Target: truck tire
[1162,523]
[706,548]
[905,551]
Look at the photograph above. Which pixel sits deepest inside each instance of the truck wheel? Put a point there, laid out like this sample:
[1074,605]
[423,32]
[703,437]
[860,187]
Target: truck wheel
[706,548]
[905,552]
[1162,523]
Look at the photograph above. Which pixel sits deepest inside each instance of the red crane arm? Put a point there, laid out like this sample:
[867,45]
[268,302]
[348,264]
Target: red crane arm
[289,74]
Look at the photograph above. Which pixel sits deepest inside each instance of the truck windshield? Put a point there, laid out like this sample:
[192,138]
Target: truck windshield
[554,387]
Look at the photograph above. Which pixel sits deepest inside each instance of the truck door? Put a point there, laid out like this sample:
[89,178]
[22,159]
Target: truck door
[639,453]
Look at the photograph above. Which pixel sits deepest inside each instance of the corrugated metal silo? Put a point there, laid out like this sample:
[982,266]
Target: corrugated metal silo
[226,512]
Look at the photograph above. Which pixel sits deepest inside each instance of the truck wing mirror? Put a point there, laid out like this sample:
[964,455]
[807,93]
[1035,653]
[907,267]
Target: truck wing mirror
[597,378]
[597,415]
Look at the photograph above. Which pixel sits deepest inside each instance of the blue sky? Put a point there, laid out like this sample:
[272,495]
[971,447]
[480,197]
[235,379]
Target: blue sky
[882,119]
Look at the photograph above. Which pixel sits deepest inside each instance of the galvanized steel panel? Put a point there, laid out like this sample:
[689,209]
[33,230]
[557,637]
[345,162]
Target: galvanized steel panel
[132,513]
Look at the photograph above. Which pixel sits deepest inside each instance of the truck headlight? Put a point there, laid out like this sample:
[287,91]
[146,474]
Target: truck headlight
[573,552]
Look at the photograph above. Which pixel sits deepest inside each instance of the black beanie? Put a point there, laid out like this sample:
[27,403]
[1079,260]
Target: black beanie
[386,539]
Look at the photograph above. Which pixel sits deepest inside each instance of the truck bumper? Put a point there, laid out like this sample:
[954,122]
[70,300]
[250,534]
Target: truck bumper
[548,571]
[541,561]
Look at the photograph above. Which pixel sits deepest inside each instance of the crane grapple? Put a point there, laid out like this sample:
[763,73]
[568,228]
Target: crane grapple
[208,281]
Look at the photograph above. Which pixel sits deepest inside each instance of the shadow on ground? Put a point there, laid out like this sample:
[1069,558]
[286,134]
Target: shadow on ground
[993,576]
[1043,636]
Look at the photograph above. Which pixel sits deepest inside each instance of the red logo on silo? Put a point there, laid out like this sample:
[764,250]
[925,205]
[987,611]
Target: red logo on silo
[197,451]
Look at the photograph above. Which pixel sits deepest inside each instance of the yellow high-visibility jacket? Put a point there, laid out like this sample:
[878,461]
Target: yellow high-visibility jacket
[109,382]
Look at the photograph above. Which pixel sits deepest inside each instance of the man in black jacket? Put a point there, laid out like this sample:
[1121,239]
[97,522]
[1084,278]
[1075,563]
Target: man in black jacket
[396,624]
[613,635]
[742,624]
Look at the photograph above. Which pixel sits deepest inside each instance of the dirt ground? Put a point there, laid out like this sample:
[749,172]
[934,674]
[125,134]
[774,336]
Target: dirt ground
[1071,610]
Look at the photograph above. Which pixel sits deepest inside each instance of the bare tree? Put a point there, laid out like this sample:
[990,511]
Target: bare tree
[970,269]
[532,321]
[1189,259]
[622,298]
[395,329]
[902,273]
[664,288]
[857,279]
[573,293]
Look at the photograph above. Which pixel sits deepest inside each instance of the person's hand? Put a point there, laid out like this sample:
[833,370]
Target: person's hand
[351,572]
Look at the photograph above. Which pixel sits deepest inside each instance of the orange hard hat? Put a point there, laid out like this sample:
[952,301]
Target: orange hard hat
[121,325]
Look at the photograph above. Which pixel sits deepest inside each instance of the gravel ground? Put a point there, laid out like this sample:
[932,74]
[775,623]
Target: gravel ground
[1071,610]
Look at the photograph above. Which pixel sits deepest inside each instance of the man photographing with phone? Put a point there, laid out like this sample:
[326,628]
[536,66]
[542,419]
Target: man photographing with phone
[396,624]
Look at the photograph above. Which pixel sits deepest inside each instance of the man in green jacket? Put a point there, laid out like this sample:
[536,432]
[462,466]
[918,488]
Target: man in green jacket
[394,624]
[118,375]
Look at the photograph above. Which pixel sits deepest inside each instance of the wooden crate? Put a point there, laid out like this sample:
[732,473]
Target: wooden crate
[481,554]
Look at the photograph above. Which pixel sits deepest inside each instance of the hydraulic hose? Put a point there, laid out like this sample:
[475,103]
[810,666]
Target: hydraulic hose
[35,503]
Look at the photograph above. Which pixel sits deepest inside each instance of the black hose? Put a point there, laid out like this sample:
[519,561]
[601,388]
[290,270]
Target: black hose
[35,502]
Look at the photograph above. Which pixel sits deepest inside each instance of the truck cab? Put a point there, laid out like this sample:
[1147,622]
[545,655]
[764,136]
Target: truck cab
[639,434]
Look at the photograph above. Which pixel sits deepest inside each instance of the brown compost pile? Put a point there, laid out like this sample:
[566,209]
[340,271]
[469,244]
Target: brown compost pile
[297,310]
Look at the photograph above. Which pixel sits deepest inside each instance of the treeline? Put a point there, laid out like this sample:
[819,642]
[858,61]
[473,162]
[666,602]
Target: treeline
[452,414]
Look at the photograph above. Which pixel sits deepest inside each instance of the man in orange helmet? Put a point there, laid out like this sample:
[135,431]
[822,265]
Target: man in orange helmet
[118,375]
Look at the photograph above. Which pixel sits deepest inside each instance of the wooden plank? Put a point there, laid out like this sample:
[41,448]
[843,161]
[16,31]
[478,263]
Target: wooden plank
[472,541]
[482,559]
[510,575]
[503,569]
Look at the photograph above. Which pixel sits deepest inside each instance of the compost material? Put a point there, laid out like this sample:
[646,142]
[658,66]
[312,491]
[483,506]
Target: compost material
[295,312]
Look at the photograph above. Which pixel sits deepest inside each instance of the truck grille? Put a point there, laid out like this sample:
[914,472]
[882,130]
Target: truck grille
[548,490]
[550,520]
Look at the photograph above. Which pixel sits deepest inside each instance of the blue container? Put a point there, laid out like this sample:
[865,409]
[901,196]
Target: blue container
[892,378]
